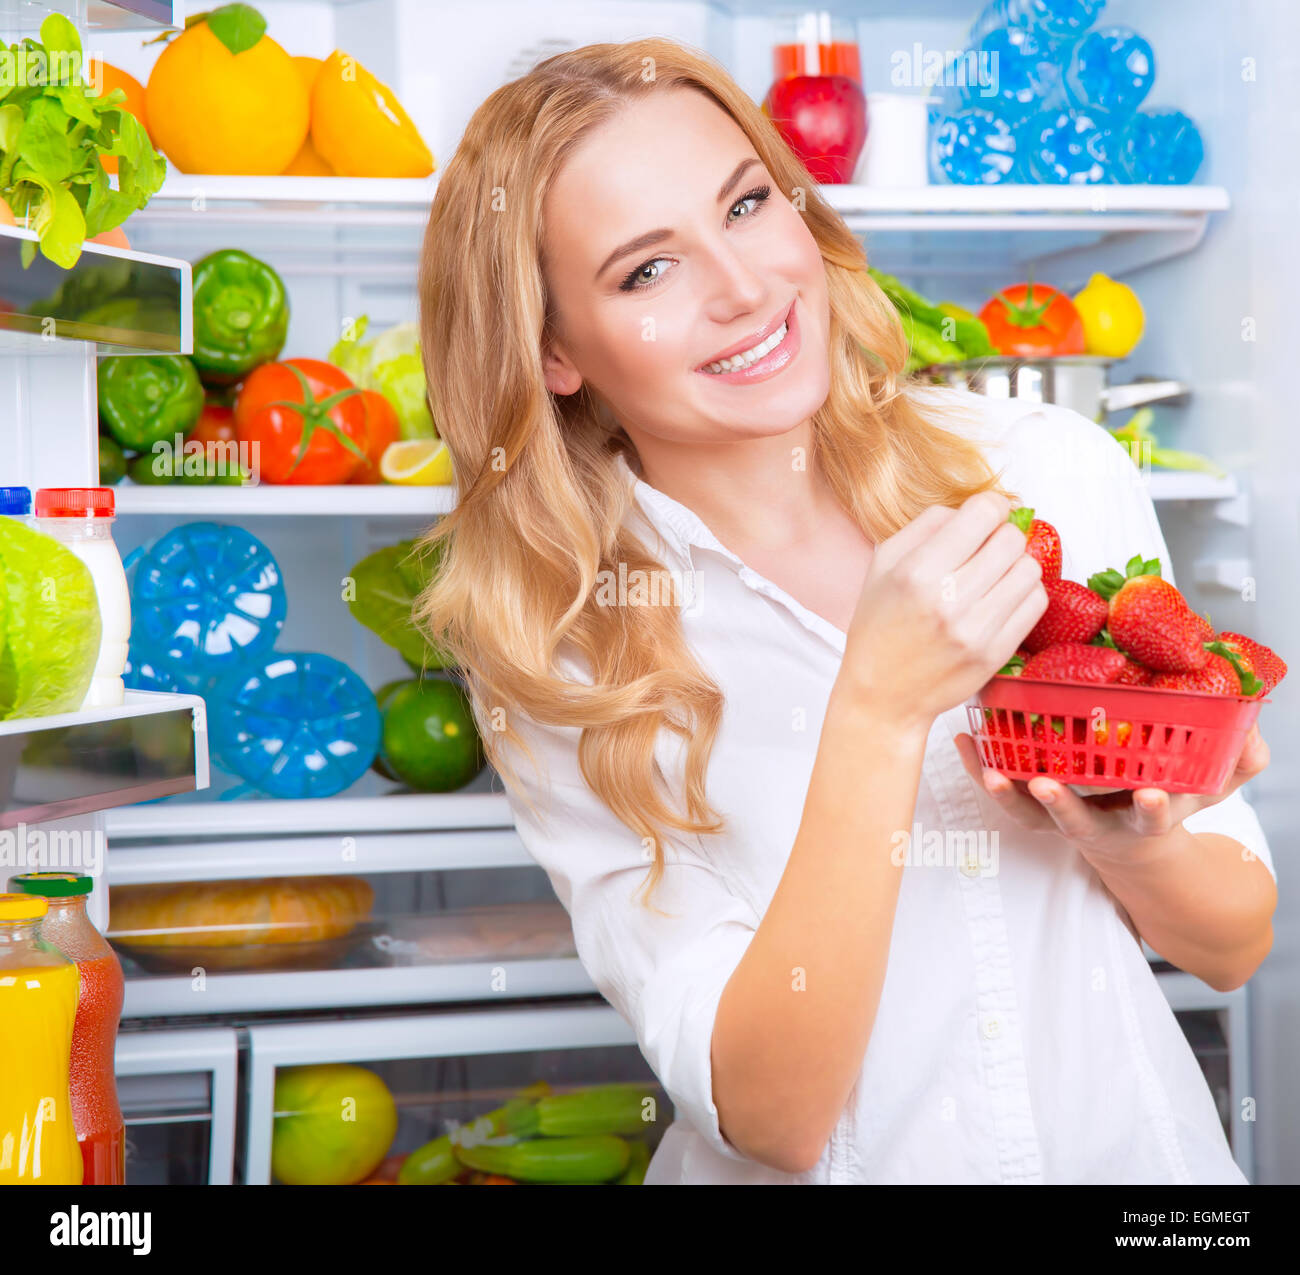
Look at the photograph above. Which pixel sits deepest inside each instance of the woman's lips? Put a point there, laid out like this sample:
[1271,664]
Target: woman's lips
[770,364]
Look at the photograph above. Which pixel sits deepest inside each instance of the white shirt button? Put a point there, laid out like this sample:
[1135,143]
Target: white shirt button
[991,1027]
[970,866]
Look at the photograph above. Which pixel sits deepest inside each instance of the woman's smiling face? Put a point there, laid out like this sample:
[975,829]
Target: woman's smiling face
[666,246]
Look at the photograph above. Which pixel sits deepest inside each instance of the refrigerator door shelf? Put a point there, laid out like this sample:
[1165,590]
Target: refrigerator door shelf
[68,764]
[120,301]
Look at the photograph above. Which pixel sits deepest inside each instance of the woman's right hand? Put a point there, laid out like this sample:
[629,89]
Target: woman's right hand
[946,602]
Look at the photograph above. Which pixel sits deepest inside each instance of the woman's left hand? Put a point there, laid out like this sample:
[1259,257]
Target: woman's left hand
[1111,825]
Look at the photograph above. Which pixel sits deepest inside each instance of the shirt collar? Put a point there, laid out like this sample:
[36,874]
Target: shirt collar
[680,527]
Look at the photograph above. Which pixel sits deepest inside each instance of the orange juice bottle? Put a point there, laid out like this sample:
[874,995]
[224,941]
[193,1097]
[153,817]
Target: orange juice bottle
[96,1115]
[38,1007]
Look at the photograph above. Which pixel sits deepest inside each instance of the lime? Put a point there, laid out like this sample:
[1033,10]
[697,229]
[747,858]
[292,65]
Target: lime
[334,1122]
[382,696]
[430,740]
[151,470]
[112,461]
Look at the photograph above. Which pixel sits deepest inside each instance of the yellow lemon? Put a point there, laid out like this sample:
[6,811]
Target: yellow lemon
[359,126]
[417,462]
[1112,316]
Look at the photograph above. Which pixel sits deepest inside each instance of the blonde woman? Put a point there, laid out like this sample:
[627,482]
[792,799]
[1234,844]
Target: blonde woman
[721,583]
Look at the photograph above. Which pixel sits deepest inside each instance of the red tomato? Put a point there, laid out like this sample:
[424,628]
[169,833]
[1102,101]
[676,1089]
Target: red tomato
[1033,321]
[307,420]
[384,428]
[216,425]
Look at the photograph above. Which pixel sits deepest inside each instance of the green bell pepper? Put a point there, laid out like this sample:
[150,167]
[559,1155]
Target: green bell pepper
[241,315]
[112,462]
[149,397]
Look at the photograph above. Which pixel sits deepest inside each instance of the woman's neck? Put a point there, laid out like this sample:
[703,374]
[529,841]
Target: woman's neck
[759,495]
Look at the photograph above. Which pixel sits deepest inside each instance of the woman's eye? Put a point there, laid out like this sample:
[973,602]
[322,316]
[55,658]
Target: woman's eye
[635,280]
[755,197]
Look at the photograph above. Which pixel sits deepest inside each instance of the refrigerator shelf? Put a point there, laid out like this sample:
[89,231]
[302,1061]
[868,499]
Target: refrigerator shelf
[324,854]
[119,301]
[940,238]
[384,501]
[265,500]
[175,996]
[394,812]
[99,15]
[69,764]
[1171,484]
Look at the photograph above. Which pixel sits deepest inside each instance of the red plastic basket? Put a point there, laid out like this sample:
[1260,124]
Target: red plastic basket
[1180,741]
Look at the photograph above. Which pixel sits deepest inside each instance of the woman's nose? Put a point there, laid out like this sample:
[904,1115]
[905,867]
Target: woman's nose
[735,282]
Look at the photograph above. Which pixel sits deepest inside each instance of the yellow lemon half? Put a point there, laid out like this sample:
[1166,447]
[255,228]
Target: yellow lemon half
[417,462]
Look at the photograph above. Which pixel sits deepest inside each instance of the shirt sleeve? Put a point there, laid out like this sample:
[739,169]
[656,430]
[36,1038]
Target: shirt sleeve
[664,974]
[1111,531]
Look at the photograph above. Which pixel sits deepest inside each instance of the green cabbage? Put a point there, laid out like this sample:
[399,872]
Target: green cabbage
[391,365]
[386,586]
[51,626]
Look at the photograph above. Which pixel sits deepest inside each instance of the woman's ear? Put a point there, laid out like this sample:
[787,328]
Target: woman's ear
[558,370]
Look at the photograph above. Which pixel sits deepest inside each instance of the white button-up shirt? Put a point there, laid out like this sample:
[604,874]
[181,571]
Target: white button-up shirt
[1021,1035]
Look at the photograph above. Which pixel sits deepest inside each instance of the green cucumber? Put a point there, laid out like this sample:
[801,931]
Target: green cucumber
[618,1109]
[593,1159]
[435,1162]
[638,1162]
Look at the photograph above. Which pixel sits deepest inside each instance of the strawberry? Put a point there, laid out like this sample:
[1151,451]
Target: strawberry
[1044,543]
[1218,677]
[1061,763]
[1076,662]
[1074,614]
[1132,674]
[1268,666]
[1123,732]
[1149,619]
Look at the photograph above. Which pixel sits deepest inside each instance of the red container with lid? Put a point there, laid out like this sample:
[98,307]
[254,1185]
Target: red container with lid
[96,1115]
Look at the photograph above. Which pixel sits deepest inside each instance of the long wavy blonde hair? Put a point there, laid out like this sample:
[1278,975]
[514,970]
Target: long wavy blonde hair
[541,503]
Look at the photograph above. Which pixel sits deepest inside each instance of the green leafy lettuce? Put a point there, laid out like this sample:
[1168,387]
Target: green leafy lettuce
[391,365]
[386,586]
[53,133]
[51,625]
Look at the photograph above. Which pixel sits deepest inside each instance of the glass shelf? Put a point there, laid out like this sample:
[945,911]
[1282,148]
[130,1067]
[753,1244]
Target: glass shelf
[67,764]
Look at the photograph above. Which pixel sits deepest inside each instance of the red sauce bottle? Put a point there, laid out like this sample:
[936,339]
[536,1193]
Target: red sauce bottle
[96,1115]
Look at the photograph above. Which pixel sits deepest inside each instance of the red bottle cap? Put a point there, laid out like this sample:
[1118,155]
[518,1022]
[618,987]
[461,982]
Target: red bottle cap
[74,502]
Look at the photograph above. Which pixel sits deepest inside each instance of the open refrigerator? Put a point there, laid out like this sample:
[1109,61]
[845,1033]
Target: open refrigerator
[460,987]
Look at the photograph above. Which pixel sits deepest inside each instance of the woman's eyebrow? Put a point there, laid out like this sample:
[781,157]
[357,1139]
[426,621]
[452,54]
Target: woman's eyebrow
[652,237]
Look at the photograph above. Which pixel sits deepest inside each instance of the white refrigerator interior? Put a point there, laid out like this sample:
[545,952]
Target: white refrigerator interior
[1216,267]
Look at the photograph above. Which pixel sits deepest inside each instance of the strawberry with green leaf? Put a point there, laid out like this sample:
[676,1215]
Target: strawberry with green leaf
[1044,542]
[1149,619]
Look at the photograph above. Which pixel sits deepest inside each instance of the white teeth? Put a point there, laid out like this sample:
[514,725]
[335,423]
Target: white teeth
[746,357]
